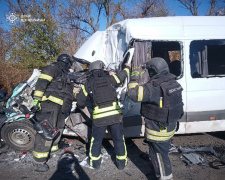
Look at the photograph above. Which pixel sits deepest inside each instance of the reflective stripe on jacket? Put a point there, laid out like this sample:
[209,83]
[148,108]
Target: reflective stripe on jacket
[106,111]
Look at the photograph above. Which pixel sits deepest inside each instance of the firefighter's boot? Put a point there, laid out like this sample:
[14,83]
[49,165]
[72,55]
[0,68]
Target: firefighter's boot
[41,167]
[95,163]
[121,164]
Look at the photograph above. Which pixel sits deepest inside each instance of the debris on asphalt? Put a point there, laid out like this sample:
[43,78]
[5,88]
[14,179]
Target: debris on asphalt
[197,149]
[194,158]
[139,166]
[63,144]
[85,163]
[217,165]
[173,148]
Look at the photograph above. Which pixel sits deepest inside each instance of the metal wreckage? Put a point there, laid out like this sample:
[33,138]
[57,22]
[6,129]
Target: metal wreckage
[184,42]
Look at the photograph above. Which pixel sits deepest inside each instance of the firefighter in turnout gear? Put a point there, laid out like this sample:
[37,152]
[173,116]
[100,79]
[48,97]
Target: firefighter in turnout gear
[53,97]
[100,88]
[161,106]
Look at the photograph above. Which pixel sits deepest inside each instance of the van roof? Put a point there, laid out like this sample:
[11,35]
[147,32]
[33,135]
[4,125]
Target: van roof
[110,45]
[172,27]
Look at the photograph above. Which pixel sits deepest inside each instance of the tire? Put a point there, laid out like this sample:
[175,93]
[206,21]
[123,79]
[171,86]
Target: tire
[19,135]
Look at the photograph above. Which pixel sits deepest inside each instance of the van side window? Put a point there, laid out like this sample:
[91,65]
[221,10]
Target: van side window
[207,58]
[171,52]
[168,50]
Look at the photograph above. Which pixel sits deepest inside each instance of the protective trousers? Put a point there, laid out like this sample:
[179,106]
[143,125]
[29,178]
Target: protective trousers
[52,112]
[158,152]
[98,133]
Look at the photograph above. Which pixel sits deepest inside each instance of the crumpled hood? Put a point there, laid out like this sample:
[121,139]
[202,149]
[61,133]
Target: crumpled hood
[93,48]
[107,46]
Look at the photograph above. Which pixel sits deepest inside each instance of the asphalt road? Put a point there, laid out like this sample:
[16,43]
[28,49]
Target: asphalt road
[18,165]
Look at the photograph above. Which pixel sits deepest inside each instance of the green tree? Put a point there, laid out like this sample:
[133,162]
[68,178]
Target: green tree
[37,38]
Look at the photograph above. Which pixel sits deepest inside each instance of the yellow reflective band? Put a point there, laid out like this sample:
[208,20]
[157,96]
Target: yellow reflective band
[53,99]
[38,93]
[92,158]
[161,133]
[55,148]
[125,156]
[113,107]
[140,93]
[40,155]
[125,146]
[116,78]
[84,91]
[121,157]
[127,70]
[46,77]
[107,114]
[160,102]
[156,138]
[132,85]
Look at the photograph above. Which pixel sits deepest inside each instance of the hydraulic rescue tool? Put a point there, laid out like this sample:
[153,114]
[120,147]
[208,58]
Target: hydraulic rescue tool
[44,127]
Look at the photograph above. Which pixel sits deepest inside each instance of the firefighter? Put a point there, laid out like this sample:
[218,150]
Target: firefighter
[100,88]
[161,106]
[53,97]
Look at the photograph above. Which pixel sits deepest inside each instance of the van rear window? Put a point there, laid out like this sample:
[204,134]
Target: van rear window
[207,58]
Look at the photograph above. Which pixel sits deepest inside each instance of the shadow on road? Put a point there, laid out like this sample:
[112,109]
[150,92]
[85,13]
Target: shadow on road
[220,134]
[136,156]
[69,168]
[140,159]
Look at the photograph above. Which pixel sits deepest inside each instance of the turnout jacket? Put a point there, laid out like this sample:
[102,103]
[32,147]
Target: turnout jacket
[54,85]
[161,105]
[100,88]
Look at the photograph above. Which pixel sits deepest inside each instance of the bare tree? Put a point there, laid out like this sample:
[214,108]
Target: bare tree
[191,5]
[215,7]
[220,10]
[145,8]
[212,7]
[86,15]
[111,10]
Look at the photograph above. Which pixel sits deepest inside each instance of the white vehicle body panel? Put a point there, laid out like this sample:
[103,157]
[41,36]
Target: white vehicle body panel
[199,94]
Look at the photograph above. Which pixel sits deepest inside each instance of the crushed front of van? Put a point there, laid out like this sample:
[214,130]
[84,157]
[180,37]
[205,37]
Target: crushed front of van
[111,47]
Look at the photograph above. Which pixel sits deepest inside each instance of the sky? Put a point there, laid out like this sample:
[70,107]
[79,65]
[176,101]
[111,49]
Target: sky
[174,5]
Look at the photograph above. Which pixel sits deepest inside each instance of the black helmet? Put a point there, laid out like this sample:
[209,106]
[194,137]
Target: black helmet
[96,65]
[156,66]
[65,58]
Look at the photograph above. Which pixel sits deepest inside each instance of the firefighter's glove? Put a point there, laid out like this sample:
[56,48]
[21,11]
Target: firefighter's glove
[37,105]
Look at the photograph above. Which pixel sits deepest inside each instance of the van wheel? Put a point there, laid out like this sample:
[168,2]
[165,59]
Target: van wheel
[19,135]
